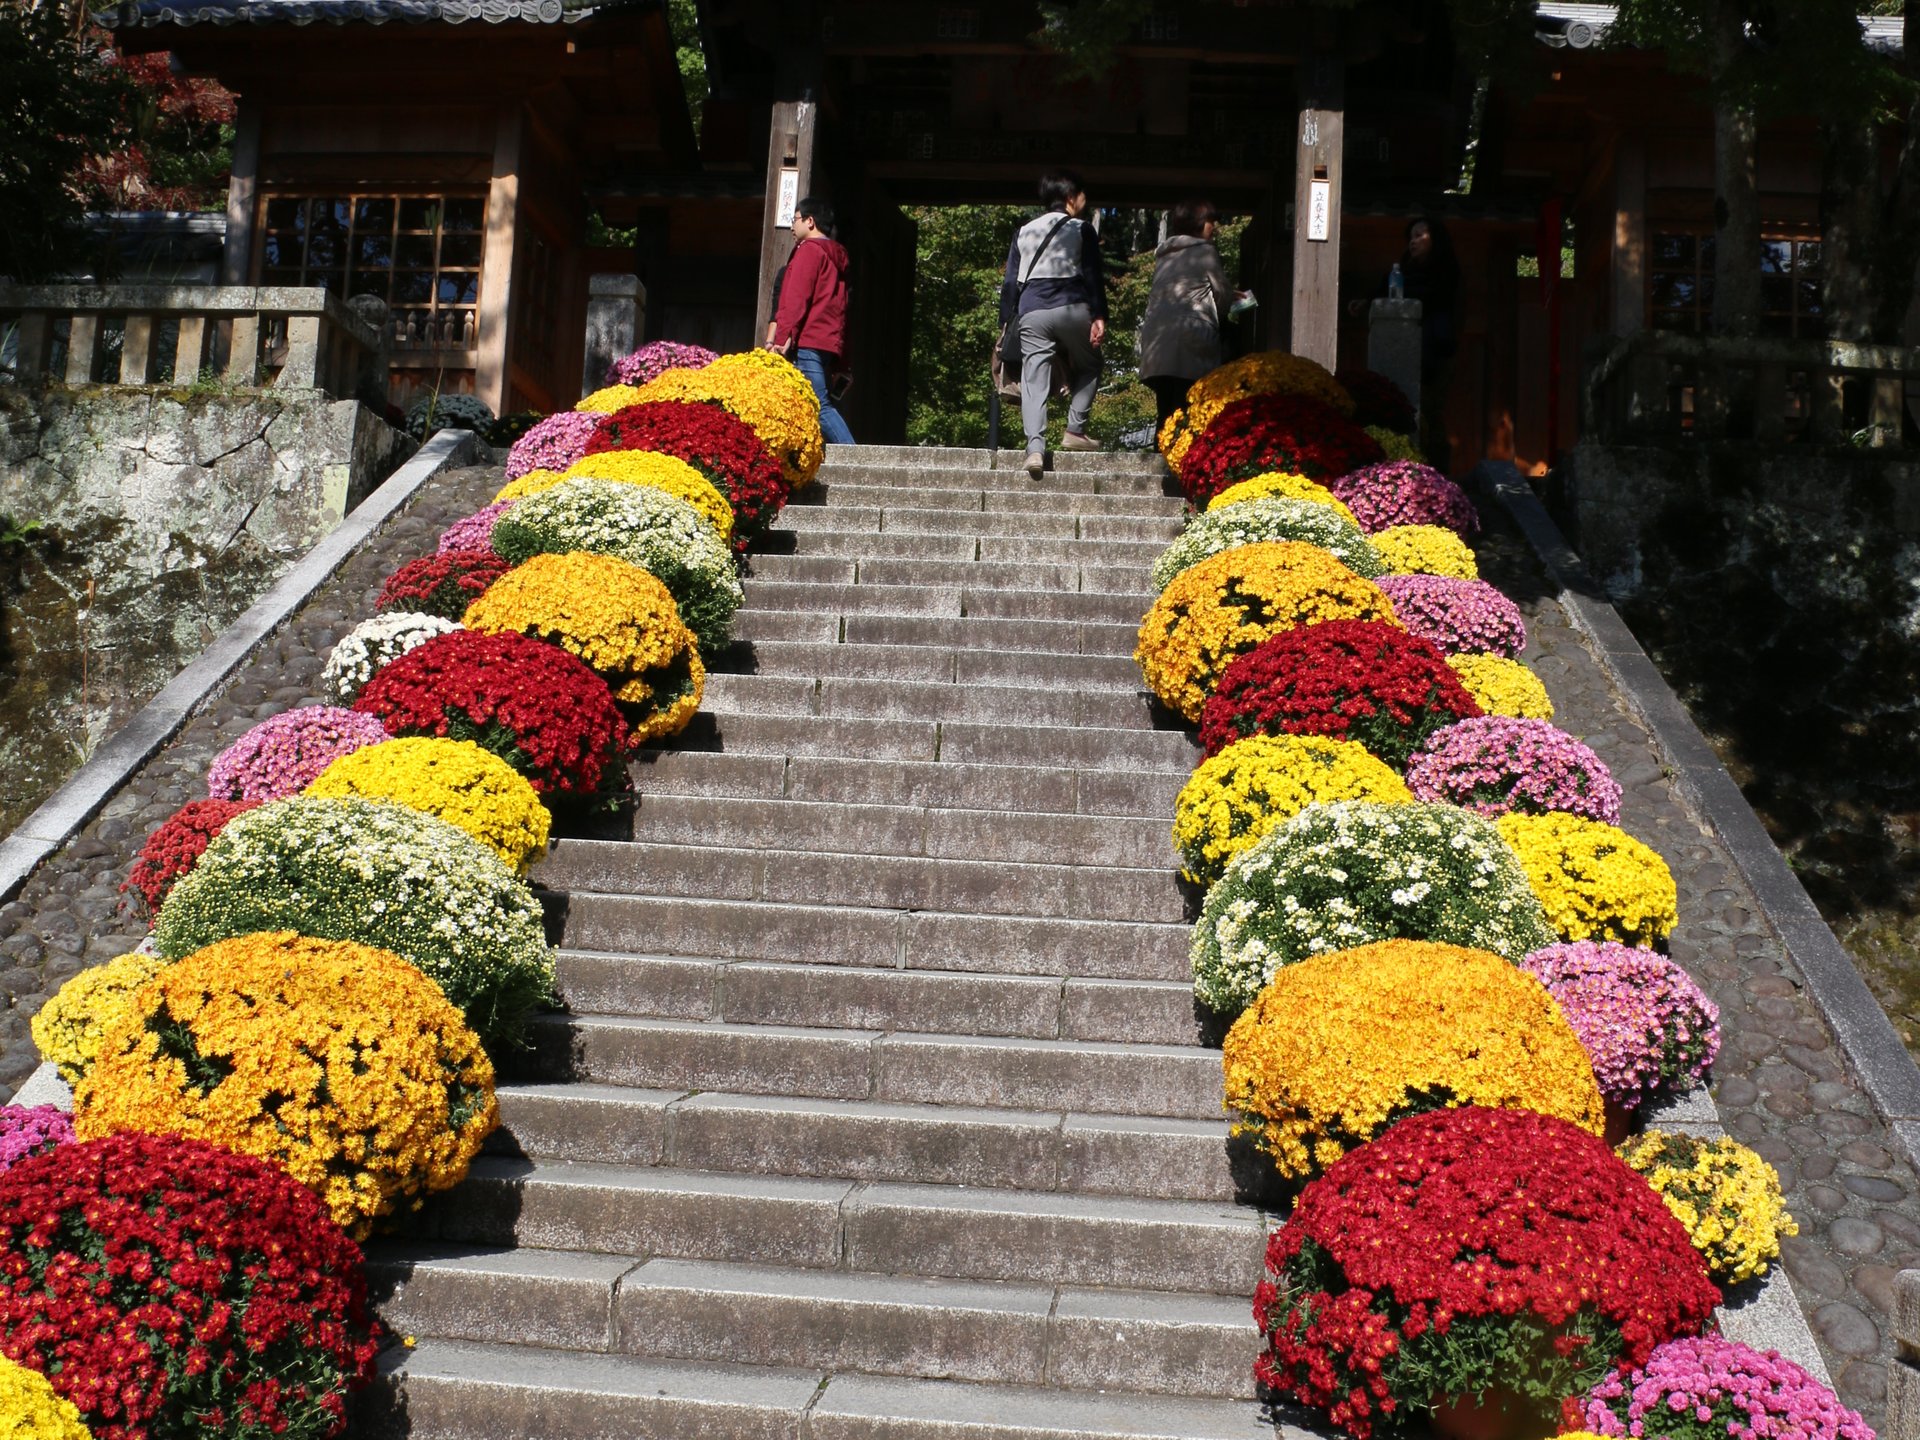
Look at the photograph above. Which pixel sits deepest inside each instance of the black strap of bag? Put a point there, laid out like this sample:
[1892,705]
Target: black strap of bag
[1010,333]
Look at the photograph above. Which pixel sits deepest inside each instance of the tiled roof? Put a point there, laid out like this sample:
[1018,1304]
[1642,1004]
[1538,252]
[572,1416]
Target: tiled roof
[131,14]
[1564,23]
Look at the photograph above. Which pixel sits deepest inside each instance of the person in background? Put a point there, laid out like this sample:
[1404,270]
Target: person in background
[1430,273]
[1055,294]
[1188,304]
[810,315]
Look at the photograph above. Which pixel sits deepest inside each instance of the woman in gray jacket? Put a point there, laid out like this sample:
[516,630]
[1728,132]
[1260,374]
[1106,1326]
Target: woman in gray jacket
[1180,333]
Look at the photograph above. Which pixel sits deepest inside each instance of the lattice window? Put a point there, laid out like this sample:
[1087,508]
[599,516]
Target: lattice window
[419,253]
[1680,284]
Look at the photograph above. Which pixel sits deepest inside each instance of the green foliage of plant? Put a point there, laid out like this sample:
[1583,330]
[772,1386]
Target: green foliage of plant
[683,17]
[57,95]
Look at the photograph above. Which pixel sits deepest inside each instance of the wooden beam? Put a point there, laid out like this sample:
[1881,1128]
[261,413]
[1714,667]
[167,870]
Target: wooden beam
[789,153]
[1630,237]
[236,256]
[1317,192]
[496,263]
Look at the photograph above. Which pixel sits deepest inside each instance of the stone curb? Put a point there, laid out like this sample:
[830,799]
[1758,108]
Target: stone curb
[1886,1071]
[160,719]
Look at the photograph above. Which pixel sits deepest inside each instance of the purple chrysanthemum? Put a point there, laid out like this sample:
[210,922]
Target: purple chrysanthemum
[283,755]
[1499,765]
[1462,617]
[1405,492]
[1710,1388]
[476,531]
[651,361]
[31,1130]
[552,444]
[1646,1026]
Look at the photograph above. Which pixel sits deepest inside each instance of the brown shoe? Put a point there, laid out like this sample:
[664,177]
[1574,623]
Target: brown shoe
[1071,441]
[1036,464]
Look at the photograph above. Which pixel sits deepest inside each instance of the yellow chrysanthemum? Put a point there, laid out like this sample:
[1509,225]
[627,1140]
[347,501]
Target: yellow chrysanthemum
[1595,881]
[1425,550]
[453,779]
[1258,784]
[610,399]
[342,1064]
[661,472]
[1339,1046]
[614,616]
[1271,372]
[1281,486]
[1175,439]
[1502,686]
[531,483]
[1726,1196]
[69,1027]
[766,392]
[31,1409]
[1230,602]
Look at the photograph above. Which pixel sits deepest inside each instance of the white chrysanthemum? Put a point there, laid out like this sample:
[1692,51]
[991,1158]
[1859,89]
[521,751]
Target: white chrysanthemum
[1268,518]
[371,644]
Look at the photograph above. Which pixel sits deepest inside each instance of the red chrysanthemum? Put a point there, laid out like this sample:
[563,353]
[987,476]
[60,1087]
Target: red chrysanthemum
[443,584]
[718,444]
[176,845]
[1266,433]
[158,1281]
[544,711]
[1465,1251]
[1378,401]
[1356,680]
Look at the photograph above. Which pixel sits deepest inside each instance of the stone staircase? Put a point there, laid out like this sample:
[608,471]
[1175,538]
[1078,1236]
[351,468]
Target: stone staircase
[880,1112]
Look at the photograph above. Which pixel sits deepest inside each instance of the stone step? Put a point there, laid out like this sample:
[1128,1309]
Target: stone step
[889,495]
[906,882]
[864,698]
[452,1390]
[1134,580]
[877,938]
[1027,550]
[950,601]
[1009,524]
[991,1331]
[1028,789]
[756,992]
[820,659]
[1008,839]
[1082,748]
[960,1232]
[1115,639]
[1161,1157]
[999,1072]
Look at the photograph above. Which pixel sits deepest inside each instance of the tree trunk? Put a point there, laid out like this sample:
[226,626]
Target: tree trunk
[1897,255]
[1736,205]
[1850,229]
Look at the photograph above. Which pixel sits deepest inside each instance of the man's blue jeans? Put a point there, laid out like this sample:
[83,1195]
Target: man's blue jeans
[813,365]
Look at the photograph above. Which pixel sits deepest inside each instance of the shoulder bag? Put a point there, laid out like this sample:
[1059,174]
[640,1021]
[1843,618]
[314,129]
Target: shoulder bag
[1006,349]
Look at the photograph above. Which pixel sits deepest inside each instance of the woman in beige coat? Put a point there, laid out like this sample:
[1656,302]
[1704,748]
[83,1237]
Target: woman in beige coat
[1180,333]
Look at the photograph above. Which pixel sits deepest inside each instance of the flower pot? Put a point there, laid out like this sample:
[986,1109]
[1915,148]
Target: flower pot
[1498,1415]
[1619,1123]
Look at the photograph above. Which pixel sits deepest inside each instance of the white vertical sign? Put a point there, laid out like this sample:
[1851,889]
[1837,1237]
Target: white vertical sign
[1320,211]
[789,197]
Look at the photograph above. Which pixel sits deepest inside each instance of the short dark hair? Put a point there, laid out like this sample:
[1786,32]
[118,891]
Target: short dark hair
[817,210]
[1190,217]
[1059,186]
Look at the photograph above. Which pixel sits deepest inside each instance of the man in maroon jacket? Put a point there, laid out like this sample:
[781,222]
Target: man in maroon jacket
[811,316]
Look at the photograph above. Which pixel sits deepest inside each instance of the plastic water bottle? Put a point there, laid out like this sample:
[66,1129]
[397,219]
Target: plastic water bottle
[1396,283]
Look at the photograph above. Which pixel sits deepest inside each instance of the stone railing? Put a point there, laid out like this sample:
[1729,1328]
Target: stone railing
[1656,387]
[138,334]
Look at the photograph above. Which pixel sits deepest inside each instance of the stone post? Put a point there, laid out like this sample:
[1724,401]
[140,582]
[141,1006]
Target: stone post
[615,306]
[370,375]
[1393,344]
[1903,1375]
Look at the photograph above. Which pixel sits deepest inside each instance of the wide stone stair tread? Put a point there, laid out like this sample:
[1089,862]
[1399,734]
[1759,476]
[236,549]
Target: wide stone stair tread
[955,1002]
[457,1390]
[888,1228]
[1025,789]
[994,1331]
[1159,1157]
[880,1108]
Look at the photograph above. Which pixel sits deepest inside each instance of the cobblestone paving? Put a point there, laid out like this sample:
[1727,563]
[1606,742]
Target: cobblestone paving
[1780,1084]
[71,914]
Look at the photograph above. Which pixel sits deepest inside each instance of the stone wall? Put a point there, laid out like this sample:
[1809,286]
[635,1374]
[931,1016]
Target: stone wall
[162,515]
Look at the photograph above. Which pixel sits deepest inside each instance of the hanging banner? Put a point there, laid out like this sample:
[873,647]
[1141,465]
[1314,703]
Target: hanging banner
[789,196]
[1320,211]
